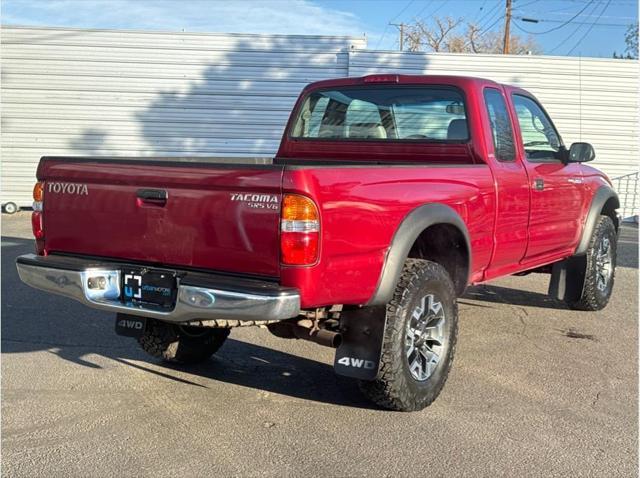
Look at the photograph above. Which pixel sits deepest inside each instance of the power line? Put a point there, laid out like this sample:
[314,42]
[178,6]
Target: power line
[619,2]
[402,11]
[590,28]
[489,13]
[482,6]
[426,4]
[386,28]
[559,26]
[516,7]
[488,29]
[604,16]
[482,33]
[433,11]
[621,25]
[563,42]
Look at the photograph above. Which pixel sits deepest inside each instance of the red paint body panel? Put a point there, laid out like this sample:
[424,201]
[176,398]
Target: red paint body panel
[361,201]
[200,226]
[361,208]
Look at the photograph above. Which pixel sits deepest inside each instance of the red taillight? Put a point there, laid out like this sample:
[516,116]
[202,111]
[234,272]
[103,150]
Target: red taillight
[299,249]
[36,224]
[299,231]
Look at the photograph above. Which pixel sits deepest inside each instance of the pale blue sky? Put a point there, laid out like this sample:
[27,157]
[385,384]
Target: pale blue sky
[597,30]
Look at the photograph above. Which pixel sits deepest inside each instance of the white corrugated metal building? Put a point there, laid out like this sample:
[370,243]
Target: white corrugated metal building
[96,92]
[99,92]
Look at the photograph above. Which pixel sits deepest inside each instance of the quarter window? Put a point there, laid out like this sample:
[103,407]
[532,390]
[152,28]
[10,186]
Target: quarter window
[540,139]
[501,130]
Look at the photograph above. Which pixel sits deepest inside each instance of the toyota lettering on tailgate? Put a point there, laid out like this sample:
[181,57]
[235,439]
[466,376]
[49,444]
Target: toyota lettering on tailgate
[68,188]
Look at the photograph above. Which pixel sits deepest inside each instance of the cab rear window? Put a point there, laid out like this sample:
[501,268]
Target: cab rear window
[389,113]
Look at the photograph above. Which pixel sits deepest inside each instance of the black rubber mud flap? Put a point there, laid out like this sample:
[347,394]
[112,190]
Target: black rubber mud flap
[567,278]
[130,325]
[362,330]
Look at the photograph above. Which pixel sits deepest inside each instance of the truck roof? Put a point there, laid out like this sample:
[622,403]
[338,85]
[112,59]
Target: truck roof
[394,78]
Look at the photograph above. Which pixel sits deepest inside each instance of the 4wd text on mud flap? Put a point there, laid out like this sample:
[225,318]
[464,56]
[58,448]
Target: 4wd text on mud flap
[355,362]
[130,324]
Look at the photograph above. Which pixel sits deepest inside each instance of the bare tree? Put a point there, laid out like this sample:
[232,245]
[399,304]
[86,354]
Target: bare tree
[631,39]
[433,37]
[447,35]
[631,44]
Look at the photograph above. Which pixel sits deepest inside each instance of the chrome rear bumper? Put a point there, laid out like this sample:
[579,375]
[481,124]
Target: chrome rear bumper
[200,296]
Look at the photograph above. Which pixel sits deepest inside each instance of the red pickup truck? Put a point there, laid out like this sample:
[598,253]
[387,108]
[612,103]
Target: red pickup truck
[389,195]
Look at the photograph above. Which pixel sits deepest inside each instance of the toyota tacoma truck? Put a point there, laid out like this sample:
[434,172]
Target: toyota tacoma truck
[388,196]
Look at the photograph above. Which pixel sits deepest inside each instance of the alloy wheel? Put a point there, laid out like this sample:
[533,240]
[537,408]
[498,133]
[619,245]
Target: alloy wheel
[425,337]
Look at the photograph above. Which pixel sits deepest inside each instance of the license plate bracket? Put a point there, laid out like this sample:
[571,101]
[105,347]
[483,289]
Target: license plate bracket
[147,285]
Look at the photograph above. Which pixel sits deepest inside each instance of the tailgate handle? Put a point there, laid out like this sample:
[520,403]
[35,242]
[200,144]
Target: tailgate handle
[155,196]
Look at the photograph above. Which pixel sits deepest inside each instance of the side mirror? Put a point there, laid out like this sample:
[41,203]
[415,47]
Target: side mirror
[581,153]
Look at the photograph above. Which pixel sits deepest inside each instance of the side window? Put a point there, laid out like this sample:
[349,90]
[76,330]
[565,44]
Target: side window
[540,139]
[500,125]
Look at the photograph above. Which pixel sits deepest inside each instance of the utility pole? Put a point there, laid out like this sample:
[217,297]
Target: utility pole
[400,27]
[507,27]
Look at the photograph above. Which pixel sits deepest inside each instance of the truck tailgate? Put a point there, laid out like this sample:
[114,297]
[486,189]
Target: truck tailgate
[217,216]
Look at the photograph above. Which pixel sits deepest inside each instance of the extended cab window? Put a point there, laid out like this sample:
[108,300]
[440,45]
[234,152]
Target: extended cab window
[539,137]
[501,130]
[383,113]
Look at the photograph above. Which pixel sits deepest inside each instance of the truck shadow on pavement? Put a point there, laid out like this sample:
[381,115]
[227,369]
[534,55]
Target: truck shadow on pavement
[505,295]
[627,258]
[34,321]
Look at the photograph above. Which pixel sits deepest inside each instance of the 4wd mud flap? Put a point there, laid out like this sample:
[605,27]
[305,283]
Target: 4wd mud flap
[130,325]
[567,278]
[362,331]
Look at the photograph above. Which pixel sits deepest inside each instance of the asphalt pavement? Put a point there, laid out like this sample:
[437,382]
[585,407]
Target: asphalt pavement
[536,390]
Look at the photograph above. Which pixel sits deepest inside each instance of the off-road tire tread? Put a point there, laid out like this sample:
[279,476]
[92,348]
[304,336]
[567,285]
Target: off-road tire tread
[590,299]
[388,390]
[164,341]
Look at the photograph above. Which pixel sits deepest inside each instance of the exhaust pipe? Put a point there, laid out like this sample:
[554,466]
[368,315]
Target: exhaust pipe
[321,336]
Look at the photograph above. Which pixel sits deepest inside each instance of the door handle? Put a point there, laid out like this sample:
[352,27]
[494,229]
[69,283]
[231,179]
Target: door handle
[538,184]
[152,196]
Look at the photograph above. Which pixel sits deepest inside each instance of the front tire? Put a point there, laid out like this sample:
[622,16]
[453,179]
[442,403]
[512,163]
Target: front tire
[600,269]
[181,344]
[419,339]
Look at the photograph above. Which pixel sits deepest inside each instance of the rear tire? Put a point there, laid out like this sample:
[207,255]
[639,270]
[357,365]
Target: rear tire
[181,344]
[601,265]
[419,339]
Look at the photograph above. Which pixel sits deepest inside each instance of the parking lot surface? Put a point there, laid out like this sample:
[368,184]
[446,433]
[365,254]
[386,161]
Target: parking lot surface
[536,390]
